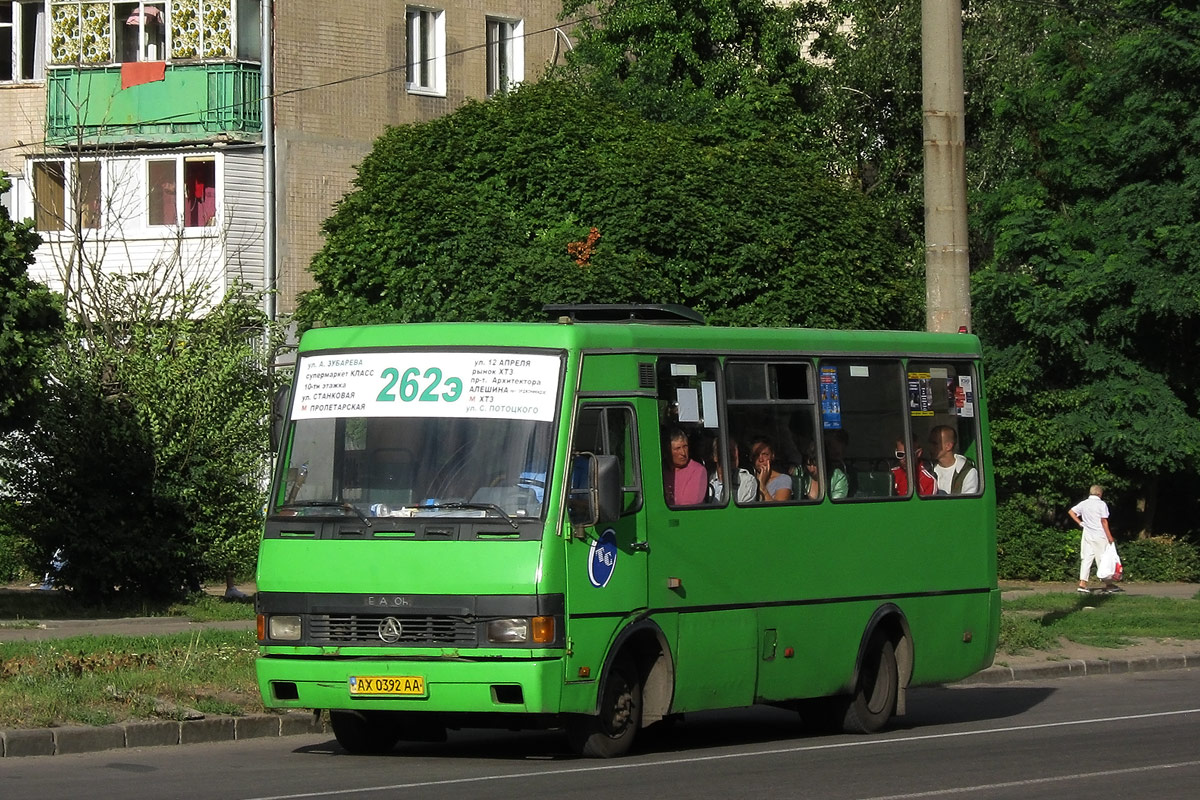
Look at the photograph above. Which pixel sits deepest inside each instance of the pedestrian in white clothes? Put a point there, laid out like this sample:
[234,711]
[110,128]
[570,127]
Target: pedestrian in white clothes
[1092,515]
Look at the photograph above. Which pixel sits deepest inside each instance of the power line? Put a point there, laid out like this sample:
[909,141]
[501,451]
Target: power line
[327,84]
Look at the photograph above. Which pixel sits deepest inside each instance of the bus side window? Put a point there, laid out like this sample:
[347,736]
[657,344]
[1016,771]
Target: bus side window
[689,421]
[942,407]
[862,417]
[772,410]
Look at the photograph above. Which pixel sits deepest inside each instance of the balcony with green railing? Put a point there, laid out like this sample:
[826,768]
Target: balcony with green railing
[202,102]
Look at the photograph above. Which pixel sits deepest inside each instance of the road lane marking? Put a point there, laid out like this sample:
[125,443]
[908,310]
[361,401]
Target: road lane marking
[984,787]
[606,767]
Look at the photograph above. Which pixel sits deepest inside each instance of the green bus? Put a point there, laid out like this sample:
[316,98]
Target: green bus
[528,525]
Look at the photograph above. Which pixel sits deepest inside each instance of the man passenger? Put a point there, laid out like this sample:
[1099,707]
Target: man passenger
[955,474]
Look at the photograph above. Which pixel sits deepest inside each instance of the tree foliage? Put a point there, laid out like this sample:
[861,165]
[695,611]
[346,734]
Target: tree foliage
[146,460]
[30,319]
[1091,298]
[693,60]
[487,214]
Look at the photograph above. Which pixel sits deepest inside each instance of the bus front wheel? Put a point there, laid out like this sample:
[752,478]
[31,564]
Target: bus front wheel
[364,733]
[610,733]
[874,700]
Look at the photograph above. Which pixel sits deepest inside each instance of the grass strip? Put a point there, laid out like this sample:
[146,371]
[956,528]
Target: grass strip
[1038,621]
[99,680]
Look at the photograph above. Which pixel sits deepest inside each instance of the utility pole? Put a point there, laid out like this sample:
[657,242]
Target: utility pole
[947,263]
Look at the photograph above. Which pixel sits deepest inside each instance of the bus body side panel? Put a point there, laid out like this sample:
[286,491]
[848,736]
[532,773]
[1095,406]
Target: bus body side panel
[715,667]
[817,574]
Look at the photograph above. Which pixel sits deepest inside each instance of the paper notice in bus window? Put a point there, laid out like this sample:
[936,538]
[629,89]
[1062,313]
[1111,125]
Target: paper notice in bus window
[920,394]
[964,398]
[484,385]
[708,403]
[831,399]
[688,402]
[860,371]
[683,369]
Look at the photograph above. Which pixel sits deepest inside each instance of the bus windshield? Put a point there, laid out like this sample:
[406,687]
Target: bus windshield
[402,466]
[384,434]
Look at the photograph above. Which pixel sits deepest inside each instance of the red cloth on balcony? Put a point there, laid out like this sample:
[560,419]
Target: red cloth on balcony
[135,73]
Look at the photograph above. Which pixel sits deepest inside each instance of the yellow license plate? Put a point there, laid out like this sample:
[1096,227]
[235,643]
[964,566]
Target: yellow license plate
[408,685]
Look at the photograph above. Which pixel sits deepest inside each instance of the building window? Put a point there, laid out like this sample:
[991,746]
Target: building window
[93,33]
[425,51]
[505,54]
[195,205]
[60,203]
[22,41]
[140,31]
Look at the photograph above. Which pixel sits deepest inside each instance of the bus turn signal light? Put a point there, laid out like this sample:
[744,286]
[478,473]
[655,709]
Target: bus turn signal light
[543,630]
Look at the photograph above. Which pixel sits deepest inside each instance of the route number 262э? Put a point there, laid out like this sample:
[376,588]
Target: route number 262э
[412,385]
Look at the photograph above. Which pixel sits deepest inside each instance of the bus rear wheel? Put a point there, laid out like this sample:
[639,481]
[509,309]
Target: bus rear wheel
[874,700]
[610,733]
[364,733]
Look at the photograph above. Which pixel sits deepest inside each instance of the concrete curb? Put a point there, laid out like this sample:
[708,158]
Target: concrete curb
[1078,668]
[83,739]
[88,739]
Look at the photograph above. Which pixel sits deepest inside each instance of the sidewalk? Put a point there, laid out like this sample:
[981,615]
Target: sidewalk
[1070,660]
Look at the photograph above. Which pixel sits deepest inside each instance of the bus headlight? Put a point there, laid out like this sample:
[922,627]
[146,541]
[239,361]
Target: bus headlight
[284,627]
[508,631]
[538,630]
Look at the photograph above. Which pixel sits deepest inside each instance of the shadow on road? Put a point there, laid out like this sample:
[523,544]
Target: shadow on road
[718,729]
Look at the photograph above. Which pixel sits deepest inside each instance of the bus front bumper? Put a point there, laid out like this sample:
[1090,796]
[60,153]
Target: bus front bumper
[525,686]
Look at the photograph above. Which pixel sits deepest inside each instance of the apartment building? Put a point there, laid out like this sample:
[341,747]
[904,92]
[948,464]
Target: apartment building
[134,131]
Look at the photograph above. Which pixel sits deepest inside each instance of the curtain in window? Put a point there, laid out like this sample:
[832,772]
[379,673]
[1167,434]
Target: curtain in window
[200,200]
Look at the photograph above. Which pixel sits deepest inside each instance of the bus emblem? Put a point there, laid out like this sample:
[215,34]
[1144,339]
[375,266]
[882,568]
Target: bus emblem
[390,630]
[602,559]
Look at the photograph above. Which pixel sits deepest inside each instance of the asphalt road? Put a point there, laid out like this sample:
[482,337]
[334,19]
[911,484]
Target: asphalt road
[1126,736]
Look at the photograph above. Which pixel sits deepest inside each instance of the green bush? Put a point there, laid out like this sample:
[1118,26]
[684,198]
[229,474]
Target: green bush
[1160,558]
[16,553]
[1027,550]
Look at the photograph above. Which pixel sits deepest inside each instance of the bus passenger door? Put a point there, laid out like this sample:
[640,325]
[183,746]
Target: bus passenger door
[606,564]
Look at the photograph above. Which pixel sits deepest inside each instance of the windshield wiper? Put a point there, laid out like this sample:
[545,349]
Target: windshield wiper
[474,506]
[330,504]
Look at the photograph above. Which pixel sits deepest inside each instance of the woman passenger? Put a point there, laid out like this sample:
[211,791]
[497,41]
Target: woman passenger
[773,485]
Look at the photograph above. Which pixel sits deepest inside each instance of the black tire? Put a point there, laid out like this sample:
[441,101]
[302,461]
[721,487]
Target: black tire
[874,700]
[610,733]
[365,733]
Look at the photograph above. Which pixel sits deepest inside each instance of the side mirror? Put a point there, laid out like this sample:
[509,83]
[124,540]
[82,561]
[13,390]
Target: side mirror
[279,406]
[595,494]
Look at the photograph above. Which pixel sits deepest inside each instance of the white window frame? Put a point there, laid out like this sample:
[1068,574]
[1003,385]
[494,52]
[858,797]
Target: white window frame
[181,222]
[70,190]
[22,40]
[425,50]
[505,52]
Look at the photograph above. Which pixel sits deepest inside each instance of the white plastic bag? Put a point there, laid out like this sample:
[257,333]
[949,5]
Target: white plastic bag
[1110,564]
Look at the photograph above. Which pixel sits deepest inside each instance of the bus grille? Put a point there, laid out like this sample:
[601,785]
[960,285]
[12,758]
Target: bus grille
[365,629]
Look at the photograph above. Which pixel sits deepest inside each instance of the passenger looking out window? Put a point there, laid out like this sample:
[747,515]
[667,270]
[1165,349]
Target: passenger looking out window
[773,485]
[684,480]
[926,482]
[955,474]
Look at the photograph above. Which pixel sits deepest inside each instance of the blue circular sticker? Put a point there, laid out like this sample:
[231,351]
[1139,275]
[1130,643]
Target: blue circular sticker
[602,559]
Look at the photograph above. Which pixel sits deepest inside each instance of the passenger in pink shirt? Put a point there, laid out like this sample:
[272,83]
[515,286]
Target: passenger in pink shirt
[685,481]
